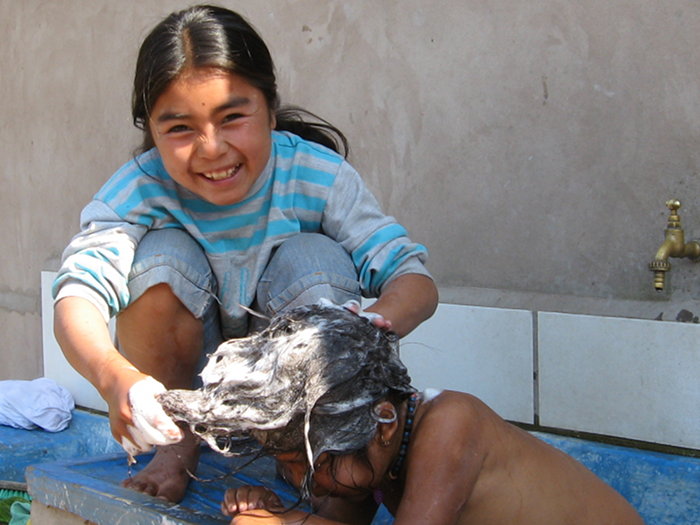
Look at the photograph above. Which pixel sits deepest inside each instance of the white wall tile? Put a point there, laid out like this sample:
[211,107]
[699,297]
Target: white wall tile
[55,365]
[484,351]
[621,377]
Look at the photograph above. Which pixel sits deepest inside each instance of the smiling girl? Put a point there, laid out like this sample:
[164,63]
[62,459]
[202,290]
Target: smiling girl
[233,202]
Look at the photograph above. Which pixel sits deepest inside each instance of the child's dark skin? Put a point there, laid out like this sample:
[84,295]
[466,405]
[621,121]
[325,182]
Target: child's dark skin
[465,465]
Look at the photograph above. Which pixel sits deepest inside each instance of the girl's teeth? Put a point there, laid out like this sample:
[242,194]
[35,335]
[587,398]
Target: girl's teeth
[219,175]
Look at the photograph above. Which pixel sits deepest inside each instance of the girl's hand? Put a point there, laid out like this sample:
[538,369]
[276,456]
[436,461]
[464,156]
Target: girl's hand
[375,318]
[406,302]
[247,498]
[151,425]
[138,421]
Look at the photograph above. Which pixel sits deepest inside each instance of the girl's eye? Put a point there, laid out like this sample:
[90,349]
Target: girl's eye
[233,116]
[179,128]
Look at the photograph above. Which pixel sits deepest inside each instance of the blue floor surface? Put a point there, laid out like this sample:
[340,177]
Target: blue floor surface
[91,489]
[87,435]
[80,470]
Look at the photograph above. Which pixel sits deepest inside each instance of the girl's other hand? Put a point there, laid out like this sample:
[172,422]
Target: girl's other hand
[247,498]
[375,318]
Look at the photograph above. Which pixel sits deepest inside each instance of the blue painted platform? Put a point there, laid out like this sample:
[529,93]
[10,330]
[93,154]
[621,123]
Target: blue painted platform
[80,471]
[87,435]
[90,488]
[664,488]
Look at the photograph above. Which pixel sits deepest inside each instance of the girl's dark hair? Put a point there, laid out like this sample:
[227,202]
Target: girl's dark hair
[210,36]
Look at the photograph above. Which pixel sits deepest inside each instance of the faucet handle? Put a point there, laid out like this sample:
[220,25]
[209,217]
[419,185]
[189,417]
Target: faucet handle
[674,220]
[673,204]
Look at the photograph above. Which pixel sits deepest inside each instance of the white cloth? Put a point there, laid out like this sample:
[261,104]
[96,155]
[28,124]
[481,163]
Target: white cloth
[152,426]
[39,403]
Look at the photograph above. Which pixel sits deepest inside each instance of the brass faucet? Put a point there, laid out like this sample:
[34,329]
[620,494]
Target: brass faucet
[674,245]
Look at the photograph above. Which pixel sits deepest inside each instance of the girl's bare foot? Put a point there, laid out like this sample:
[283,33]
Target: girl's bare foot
[167,475]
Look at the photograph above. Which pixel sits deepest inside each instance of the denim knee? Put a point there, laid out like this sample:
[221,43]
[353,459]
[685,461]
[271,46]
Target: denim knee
[304,269]
[173,257]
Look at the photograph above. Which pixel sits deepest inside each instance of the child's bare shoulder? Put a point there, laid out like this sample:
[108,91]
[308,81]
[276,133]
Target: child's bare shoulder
[459,407]
[455,420]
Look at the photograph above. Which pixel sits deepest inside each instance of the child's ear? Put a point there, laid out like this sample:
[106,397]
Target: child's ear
[388,422]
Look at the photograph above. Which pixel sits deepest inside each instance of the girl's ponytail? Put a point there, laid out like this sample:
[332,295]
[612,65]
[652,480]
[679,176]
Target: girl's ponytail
[311,127]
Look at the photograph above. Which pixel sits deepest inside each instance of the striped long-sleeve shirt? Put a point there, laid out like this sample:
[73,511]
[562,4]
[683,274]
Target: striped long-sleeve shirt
[303,188]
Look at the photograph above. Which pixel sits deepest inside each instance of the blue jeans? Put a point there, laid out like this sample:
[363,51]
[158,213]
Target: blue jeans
[302,270]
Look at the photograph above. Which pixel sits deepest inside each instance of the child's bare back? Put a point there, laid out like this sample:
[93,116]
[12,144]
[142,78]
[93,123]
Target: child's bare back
[464,454]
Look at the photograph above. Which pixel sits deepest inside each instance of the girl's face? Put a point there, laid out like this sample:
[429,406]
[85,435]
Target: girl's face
[213,131]
[346,476]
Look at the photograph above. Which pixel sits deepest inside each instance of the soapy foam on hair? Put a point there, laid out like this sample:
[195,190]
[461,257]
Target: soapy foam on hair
[308,382]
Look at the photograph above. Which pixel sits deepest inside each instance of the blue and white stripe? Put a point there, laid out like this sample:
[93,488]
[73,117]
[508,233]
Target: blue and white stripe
[304,188]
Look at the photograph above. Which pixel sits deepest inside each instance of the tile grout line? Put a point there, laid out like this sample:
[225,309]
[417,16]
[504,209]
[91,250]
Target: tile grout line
[535,369]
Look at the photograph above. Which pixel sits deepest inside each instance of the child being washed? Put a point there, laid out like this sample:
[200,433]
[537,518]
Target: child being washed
[350,432]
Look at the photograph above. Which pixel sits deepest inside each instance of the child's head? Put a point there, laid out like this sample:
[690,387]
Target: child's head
[308,384]
[205,95]
[205,37]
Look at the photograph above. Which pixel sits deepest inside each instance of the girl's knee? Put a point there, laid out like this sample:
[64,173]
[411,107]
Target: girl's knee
[172,257]
[156,311]
[158,301]
[161,336]
[304,269]
[312,252]
[320,246]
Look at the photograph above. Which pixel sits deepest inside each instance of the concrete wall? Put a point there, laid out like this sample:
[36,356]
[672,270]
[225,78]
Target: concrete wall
[530,145]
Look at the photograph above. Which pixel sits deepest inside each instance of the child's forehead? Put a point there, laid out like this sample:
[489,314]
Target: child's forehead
[206,91]
[203,74]
[193,80]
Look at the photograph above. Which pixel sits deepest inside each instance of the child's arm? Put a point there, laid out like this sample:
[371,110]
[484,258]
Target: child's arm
[406,302]
[390,266]
[259,505]
[292,517]
[444,463]
[85,340]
